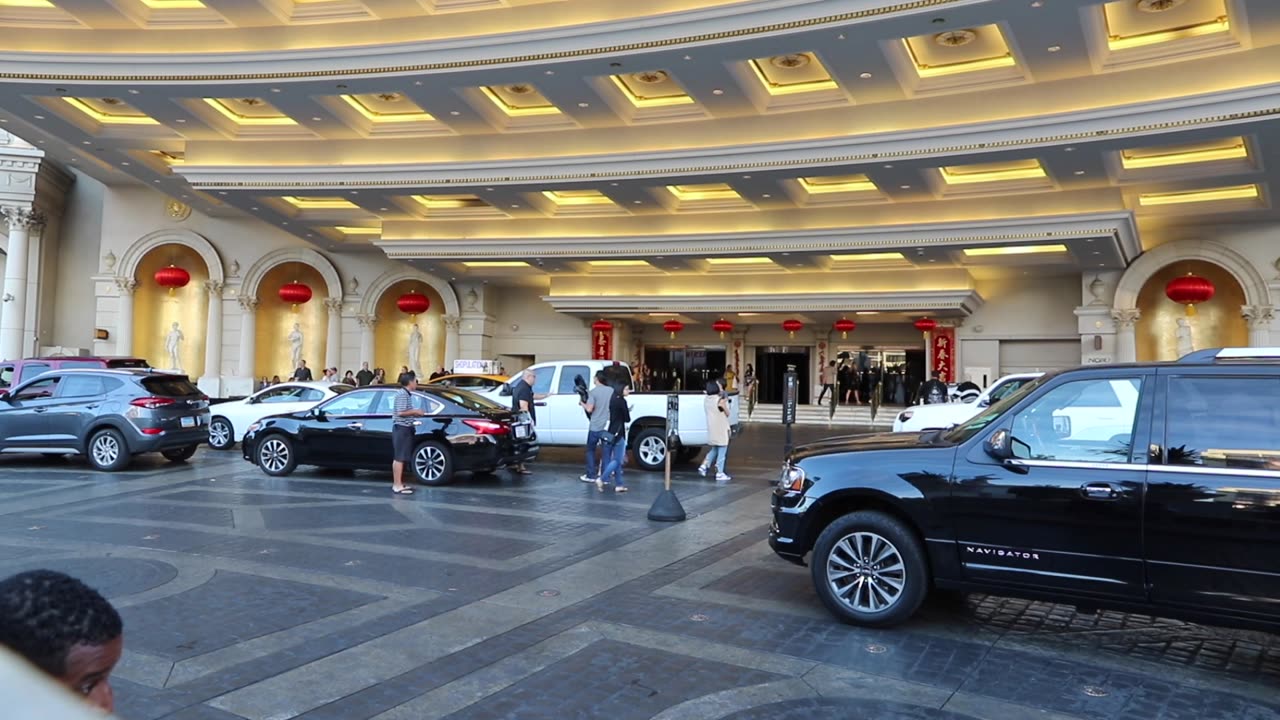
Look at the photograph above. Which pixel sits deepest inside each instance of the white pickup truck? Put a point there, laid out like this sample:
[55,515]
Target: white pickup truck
[944,415]
[561,422]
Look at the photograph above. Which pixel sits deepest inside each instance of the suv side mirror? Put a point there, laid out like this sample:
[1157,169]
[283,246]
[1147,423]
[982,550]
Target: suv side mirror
[998,445]
[505,391]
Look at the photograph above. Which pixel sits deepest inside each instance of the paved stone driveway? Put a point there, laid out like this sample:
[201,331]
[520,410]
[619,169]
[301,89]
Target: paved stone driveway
[323,596]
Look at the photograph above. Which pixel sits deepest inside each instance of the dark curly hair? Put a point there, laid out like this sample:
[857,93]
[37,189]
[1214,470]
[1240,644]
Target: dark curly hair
[43,614]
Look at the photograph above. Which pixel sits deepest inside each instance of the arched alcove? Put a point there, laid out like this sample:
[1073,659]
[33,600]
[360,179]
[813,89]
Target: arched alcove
[1217,323]
[330,285]
[391,336]
[156,309]
[273,354]
[378,288]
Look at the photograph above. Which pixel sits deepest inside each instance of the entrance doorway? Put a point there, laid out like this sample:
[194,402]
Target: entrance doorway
[899,372]
[772,362]
[683,368]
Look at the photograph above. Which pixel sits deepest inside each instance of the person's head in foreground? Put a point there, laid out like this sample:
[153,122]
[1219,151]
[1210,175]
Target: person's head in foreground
[64,628]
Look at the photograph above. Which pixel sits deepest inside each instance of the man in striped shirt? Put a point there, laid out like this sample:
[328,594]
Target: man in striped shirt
[402,432]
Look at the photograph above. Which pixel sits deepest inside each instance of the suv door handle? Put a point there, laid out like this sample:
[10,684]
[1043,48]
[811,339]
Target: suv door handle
[39,409]
[1099,491]
[355,425]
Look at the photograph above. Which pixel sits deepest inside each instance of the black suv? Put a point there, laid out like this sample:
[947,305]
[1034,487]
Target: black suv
[1148,487]
[107,415]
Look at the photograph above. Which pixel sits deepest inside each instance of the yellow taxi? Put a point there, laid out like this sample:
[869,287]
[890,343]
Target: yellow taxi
[468,381]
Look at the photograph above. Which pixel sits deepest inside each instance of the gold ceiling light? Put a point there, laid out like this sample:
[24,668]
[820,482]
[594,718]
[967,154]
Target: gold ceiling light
[174,4]
[618,263]
[110,111]
[959,51]
[868,257]
[837,184]
[26,3]
[497,264]
[386,108]
[349,230]
[1015,250]
[993,172]
[1235,192]
[709,191]
[577,197]
[955,38]
[792,73]
[520,100]
[740,261]
[249,111]
[651,88]
[1233,148]
[175,157]
[450,202]
[1127,29]
[319,202]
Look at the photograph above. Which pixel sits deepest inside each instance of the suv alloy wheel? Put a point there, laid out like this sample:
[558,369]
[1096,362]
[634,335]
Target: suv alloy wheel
[107,450]
[869,569]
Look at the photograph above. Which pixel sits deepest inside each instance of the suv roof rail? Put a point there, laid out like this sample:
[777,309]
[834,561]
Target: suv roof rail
[1235,353]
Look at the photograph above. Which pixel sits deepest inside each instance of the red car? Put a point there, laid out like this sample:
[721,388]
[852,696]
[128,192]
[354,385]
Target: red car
[13,372]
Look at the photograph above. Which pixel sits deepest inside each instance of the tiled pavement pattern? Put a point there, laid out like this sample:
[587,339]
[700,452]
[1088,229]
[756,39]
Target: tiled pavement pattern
[323,597]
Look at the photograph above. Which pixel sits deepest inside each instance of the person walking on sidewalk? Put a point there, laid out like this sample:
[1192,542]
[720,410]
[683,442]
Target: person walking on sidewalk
[615,442]
[717,408]
[826,377]
[596,406]
[402,433]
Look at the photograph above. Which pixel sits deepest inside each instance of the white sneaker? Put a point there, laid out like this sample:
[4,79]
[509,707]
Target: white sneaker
[584,478]
[721,477]
[702,470]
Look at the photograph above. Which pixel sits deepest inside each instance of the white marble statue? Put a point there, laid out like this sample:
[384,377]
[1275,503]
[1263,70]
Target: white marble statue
[173,345]
[1185,337]
[415,349]
[295,346]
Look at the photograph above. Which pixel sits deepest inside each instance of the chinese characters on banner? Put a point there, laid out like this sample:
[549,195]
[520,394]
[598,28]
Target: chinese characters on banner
[944,353]
[602,344]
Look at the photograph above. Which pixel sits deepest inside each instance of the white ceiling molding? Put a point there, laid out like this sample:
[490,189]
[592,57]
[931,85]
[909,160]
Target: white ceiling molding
[951,302]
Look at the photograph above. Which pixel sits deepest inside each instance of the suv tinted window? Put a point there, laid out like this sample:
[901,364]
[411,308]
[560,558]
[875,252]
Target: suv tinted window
[39,389]
[170,386]
[31,370]
[1066,424]
[80,386]
[1224,422]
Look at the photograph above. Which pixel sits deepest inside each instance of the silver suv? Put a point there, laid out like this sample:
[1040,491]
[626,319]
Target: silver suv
[107,415]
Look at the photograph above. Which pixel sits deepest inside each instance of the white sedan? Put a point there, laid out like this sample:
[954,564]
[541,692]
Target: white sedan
[230,419]
[918,418]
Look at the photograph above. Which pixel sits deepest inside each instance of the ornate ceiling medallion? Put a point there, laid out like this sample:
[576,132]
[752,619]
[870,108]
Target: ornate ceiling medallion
[519,89]
[1157,6]
[955,38]
[251,102]
[650,77]
[111,101]
[789,62]
[390,97]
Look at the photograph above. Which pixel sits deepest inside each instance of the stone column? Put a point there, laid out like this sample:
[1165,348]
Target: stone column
[367,323]
[451,325]
[928,355]
[14,314]
[333,339]
[1126,335]
[211,381]
[248,339]
[124,315]
[1259,318]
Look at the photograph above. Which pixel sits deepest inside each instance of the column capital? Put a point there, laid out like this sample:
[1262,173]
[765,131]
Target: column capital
[20,218]
[214,288]
[452,322]
[248,304]
[367,321]
[1258,316]
[126,286]
[1127,317]
[333,305]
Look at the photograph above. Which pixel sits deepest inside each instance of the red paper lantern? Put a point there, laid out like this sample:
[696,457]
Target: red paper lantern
[413,304]
[722,326]
[791,326]
[1189,290]
[601,326]
[172,277]
[925,325]
[295,293]
[673,327]
[844,326]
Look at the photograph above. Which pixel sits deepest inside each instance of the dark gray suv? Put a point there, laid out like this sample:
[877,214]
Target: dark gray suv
[106,415]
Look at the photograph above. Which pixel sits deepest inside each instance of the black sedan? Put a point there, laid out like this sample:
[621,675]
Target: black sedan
[461,432]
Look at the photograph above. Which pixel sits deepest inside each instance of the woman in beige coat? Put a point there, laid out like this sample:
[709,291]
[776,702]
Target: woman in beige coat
[717,408]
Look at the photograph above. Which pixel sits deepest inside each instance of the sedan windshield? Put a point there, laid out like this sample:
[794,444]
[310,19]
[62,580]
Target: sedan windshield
[975,424]
[468,400]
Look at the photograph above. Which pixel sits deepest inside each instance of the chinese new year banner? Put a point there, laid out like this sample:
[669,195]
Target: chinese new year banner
[944,353]
[602,344]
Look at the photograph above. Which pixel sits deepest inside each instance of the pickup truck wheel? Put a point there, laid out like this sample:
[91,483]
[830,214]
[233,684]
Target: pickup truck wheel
[650,449]
[869,569]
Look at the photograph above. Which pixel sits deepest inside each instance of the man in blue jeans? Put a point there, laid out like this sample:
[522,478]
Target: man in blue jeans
[597,409]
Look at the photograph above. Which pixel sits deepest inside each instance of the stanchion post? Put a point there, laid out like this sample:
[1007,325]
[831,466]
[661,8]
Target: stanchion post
[790,398]
[666,507]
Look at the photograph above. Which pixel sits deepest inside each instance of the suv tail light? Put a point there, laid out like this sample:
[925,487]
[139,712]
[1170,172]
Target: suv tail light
[151,403]
[487,427]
